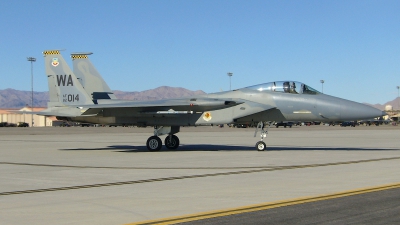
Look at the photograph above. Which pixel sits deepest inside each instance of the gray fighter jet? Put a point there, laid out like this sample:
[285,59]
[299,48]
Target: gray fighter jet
[87,98]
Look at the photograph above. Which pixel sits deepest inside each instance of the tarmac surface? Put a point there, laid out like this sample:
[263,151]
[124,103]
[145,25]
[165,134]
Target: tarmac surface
[381,207]
[105,175]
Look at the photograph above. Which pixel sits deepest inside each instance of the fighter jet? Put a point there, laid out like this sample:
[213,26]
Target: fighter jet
[75,98]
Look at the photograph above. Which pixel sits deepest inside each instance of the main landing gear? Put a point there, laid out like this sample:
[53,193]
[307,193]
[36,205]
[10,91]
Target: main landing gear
[260,145]
[171,142]
[154,143]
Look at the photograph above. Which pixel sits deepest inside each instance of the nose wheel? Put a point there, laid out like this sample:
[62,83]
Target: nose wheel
[260,145]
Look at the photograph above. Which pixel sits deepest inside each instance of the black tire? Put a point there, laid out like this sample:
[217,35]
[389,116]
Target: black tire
[260,146]
[154,144]
[173,143]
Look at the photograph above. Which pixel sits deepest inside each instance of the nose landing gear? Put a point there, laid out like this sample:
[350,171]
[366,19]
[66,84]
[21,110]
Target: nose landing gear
[260,145]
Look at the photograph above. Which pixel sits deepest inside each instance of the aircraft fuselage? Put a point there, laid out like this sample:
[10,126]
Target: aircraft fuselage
[257,106]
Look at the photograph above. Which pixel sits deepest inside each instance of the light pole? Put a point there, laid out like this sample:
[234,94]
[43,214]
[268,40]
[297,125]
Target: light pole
[322,82]
[230,80]
[31,59]
[398,100]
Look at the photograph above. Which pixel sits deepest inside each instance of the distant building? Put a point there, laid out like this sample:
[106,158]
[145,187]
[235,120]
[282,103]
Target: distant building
[388,108]
[394,114]
[9,116]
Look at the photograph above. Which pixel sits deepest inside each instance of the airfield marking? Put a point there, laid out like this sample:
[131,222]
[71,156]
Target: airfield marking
[264,206]
[191,176]
[132,167]
[194,168]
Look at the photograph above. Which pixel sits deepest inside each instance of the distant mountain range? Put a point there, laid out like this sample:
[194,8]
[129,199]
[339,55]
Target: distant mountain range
[395,103]
[11,98]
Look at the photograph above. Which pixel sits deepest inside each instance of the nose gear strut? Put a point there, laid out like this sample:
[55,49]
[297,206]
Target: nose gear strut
[260,145]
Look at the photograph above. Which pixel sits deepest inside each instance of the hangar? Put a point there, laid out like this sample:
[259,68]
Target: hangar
[9,116]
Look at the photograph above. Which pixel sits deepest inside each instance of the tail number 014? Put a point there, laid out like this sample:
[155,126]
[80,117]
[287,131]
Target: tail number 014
[70,98]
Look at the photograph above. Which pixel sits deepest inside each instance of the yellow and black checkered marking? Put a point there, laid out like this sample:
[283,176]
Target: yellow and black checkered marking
[51,52]
[79,56]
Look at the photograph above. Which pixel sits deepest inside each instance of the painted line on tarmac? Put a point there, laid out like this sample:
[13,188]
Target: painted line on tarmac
[132,167]
[264,206]
[191,176]
[194,168]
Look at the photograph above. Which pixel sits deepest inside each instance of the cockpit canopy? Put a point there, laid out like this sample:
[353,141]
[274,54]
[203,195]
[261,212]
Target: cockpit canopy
[293,87]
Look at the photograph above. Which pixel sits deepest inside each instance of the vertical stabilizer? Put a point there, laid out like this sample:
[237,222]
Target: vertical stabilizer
[63,82]
[90,78]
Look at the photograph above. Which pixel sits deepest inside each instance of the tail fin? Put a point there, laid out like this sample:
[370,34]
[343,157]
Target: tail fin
[62,82]
[90,78]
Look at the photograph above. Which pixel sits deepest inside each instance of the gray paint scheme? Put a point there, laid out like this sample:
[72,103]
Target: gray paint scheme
[275,101]
[88,75]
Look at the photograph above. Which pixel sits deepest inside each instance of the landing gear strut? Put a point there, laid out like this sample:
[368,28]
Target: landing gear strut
[154,143]
[260,145]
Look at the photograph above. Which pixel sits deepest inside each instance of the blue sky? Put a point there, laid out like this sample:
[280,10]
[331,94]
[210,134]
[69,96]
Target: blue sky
[139,45]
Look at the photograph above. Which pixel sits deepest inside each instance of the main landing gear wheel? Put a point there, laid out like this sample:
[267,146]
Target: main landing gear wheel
[260,146]
[171,142]
[154,144]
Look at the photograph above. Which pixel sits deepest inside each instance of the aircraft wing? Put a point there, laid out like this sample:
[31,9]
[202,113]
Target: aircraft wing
[184,104]
[48,113]
[54,111]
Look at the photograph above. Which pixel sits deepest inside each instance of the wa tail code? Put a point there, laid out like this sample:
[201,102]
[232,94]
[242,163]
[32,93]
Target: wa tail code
[64,80]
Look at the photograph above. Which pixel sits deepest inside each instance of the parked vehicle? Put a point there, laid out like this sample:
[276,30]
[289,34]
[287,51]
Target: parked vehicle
[348,124]
[284,124]
[23,124]
[5,124]
[241,125]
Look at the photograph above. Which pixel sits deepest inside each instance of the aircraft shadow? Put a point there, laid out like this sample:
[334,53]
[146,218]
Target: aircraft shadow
[272,148]
[132,148]
[205,147]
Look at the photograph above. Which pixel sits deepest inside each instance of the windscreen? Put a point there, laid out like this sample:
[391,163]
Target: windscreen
[292,87]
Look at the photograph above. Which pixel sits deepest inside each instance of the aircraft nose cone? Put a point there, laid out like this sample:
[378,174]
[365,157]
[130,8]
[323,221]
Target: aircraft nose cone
[357,111]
